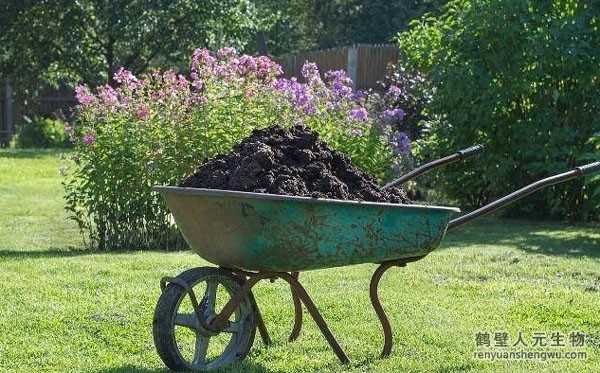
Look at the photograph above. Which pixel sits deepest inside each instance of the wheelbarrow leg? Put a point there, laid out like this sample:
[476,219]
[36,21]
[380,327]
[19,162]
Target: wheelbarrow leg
[297,311]
[262,328]
[316,315]
[373,293]
[260,322]
[220,320]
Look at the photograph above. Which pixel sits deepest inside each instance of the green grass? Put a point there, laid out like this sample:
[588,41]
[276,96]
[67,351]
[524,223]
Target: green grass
[64,309]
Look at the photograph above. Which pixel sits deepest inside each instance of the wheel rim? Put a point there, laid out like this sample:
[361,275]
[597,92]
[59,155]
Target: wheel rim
[202,349]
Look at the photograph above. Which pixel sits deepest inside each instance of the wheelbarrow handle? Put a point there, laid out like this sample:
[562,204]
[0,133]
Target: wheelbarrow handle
[590,168]
[472,151]
[459,155]
[576,172]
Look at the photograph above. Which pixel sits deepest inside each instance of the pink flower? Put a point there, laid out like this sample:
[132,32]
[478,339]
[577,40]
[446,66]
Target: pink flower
[83,95]
[107,95]
[202,61]
[89,139]
[124,76]
[143,113]
[226,52]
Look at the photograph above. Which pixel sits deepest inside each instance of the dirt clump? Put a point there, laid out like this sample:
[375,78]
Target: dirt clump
[294,162]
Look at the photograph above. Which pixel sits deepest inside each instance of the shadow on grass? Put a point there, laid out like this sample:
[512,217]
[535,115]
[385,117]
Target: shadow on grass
[63,253]
[132,369]
[546,238]
[244,366]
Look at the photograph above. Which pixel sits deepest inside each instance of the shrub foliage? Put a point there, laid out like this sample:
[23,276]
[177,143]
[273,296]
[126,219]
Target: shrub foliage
[521,77]
[40,132]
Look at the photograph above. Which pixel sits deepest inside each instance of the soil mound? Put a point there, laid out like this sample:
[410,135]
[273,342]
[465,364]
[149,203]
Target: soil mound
[294,162]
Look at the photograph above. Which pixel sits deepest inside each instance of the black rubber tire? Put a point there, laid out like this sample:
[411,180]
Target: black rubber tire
[164,324]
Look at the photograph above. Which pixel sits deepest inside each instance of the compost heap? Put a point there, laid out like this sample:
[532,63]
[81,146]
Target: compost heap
[293,162]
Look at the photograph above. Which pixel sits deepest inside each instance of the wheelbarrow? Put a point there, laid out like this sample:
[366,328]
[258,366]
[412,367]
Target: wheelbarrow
[207,317]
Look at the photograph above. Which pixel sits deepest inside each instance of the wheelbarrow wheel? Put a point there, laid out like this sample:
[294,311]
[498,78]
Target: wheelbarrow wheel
[179,336]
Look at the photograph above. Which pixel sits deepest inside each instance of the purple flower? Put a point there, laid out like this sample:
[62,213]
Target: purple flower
[281,84]
[393,114]
[342,90]
[358,95]
[309,70]
[336,75]
[394,91]
[400,144]
[359,114]
[298,93]
[197,84]
[89,139]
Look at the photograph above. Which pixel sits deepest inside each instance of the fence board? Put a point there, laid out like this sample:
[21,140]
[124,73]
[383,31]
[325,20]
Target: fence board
[372,62]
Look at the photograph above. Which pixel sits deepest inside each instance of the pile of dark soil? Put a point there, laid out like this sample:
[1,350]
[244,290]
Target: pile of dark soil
[290,162]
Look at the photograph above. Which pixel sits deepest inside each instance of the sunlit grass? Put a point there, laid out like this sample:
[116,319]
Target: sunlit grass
[68,310]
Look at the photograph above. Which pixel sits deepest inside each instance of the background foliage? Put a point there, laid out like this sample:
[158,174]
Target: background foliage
[50,43]
[520,77]
[298,25]
[40,132]
[69,42]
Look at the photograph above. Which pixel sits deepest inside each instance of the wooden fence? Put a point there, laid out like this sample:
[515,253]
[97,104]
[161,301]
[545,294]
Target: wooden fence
[364,64]
[12,109]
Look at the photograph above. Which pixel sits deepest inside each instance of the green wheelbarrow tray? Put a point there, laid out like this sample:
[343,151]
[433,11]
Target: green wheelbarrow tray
[265,232]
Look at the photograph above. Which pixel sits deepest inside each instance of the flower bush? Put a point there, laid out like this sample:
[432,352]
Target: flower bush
[156,128]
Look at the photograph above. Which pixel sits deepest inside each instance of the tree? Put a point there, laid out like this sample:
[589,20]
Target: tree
[53,42]
[359,21]
[296,25]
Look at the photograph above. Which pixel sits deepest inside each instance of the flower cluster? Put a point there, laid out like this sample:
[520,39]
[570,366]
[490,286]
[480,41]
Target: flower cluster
[334,97]
[231,68]
[156,128]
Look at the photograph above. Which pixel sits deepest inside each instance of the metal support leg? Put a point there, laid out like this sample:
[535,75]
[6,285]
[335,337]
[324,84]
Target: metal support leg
[373,292]
[297,312]
[253,278]
[314,312]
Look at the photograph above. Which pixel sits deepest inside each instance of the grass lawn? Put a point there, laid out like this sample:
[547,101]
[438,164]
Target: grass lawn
[64,309]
